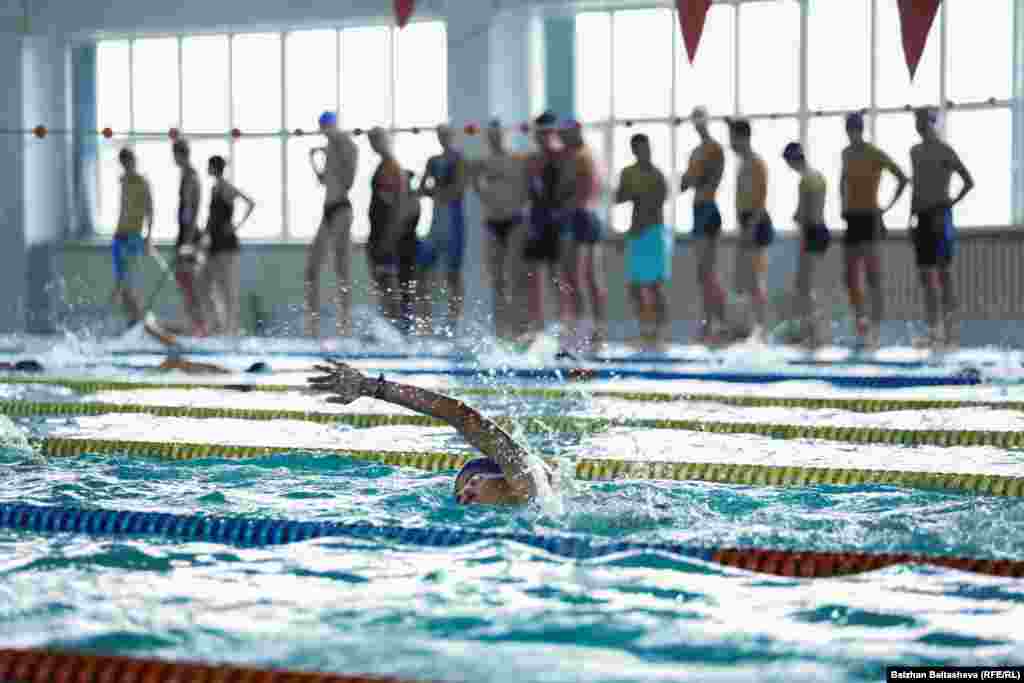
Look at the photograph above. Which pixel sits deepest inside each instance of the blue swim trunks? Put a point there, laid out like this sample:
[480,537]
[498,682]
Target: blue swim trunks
[934,238]
[583,226]
[447,236]
[764,232]
[124,250]
[817,238]
[707,220]
[649,256]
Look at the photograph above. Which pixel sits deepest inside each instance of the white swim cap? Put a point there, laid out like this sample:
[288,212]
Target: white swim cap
[699,115]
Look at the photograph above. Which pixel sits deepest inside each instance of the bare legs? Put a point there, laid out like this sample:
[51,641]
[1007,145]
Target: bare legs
[130,300]
[652,313]
[712,293]
[582,276]
[807,310]
[751,271]
[495,259]
[336,231]
[864,259]
[940,305]
[221,288]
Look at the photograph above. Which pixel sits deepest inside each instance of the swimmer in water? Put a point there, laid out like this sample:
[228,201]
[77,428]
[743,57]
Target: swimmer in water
[507,474]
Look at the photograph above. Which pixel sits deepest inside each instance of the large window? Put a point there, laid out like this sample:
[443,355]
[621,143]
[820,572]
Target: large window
[795,69]
[271,87]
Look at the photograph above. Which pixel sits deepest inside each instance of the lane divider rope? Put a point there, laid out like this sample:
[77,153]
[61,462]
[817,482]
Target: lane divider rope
[255,532]
[584,374]
[46,666]
[579,425]
[860,405]
[590,469]
[850,360]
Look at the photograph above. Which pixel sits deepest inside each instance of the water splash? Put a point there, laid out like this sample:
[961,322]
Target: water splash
[14,438]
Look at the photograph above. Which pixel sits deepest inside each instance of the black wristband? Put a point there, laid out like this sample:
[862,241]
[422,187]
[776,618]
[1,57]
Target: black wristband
[380,386]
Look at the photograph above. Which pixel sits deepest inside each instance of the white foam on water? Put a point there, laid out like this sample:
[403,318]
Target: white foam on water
[14,438]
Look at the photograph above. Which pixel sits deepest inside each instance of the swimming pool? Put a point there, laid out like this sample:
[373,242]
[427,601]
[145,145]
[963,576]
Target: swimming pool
[497,610]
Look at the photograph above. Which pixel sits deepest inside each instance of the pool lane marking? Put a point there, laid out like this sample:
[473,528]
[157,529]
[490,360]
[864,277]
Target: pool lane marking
[258,532]
[588,469]
[860,405]
[46,666]
[844,434]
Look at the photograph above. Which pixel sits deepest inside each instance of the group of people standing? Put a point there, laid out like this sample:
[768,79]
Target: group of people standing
[550,199]
[933,163]
[207,261]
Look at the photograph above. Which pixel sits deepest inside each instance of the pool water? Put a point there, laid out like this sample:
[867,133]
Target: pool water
[496,610]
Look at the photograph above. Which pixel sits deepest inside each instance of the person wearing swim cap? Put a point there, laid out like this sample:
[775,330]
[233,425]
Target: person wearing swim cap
[810,216]
[934,162]
[444,180]
[863,164]
[337,174]
[507,474]
[704,175]
[757,232]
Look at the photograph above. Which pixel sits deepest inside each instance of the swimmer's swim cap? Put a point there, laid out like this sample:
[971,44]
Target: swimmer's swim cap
[793,152]
[477,466]
[929,115]
[328,118]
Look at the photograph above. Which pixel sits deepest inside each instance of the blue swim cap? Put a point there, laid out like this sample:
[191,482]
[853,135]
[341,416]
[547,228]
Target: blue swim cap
[793,152]
[855,121]
[328,118]
[478,466]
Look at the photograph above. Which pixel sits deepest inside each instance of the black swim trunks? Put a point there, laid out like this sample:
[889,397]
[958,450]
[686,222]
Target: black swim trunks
[501,229]
[543,242]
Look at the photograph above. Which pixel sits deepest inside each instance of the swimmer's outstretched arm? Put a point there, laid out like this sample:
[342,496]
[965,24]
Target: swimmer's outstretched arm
[346,384]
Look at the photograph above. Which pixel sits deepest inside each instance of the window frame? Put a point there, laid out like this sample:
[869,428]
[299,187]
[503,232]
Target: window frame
[133,136]
[803,114]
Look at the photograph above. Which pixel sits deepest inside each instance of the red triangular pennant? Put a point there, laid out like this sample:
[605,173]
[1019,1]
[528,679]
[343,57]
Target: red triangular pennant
[692,14]
[404,10]
[916,18]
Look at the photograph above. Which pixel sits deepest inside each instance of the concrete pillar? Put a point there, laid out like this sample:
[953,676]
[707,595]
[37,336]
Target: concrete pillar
[560,65]
[12,205]
[1018,113]
[85,149]
[492,66]
[45,97]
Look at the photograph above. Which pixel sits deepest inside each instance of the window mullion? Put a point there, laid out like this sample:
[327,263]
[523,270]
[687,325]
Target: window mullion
[392,52]
[337,77]
[231,105]
[943,66]
[873,72]
[673,187]
[284,138]
[804,71]
[131,92]
[609,134]
[181,85]
[736,61]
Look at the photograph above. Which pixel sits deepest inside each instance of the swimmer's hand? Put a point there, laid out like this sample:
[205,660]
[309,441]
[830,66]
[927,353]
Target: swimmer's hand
[344,382]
